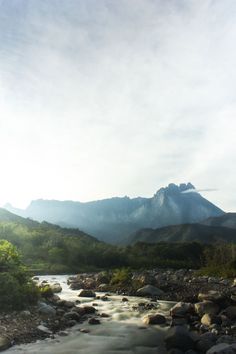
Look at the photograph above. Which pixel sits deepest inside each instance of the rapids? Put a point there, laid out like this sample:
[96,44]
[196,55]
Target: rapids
[122,333]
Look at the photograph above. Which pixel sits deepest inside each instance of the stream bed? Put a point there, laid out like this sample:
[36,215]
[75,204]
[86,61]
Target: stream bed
[122,332]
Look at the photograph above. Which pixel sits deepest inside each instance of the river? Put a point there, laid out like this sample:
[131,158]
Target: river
[122,333]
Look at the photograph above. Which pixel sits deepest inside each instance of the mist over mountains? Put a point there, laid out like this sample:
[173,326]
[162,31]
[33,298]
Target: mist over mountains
[113,220]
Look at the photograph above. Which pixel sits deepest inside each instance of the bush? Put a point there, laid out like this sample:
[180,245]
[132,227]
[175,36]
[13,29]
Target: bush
[17,289]
[121,276]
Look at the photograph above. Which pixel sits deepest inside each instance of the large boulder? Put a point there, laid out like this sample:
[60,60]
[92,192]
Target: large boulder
[46,309]
[211,295]
[56,288]
[206,307]
[4,343]
[87,293]
[230,312]
[72,315]
[76,285]
[179,337]
[222,348]
[156,319]
[181,309]
[149,290]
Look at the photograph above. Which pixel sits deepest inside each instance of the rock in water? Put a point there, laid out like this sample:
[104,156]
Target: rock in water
[154,319]
[87,293]
[149,290]
[179,337]
[4,343]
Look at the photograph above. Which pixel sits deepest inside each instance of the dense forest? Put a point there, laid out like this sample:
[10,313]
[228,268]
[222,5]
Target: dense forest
[49,248]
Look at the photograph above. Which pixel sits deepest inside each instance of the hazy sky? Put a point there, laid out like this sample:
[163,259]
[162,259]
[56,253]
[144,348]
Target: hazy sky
[117,97]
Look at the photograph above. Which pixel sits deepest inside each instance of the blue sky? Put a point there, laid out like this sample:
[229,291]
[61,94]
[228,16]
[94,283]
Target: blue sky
[104,98]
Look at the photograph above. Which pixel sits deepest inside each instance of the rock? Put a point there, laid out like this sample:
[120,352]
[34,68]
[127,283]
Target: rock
[206,307]
[25,313]
[72,316]
[204,344]
[71,323]
[222,348]
[76,285]
[104,315]
[44,329]
[4,343]
[84,330]
[179,337]
[104,298]
[211,295]
[226,339]
[46,309]
[56,288]
[63,333]
[181,309]
[54,299]
[208,336]
[68,304]
[208,320]
[124,299]
[87,293]
[89,309]
[94,321]
[149,290]
[154,319]
[230,312]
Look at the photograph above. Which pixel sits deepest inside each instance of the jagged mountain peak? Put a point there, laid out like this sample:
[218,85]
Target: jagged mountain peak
[174,188]
[114,219]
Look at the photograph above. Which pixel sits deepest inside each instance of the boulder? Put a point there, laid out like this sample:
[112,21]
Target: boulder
[56,288]
[211,295]
[93,321]
[76,285]
[181,309]
[179,337]
[46,309]
[44,329]
[230,312]
[156,319]
[4,343]
[206,307]
[222,348]
[149,290]
[72,316]
[87,293]
[203,345]
[208,320]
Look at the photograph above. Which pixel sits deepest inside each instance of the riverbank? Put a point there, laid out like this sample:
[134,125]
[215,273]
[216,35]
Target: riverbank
[135,307]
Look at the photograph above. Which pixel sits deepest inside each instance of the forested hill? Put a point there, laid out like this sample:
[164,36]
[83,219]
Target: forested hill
[185,233]
[50,247]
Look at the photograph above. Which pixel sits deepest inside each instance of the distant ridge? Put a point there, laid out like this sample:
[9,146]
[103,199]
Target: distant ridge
[113,220]
[225,220]
[184,233]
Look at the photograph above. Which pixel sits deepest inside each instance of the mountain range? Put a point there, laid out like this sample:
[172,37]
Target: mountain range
[114,220]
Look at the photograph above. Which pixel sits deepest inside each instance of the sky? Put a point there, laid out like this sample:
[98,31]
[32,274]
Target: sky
[111,98]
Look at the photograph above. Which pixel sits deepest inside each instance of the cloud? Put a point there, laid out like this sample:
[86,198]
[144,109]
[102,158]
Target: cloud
[113,98]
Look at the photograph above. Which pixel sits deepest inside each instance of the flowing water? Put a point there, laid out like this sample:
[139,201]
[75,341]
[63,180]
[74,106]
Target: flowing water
[122,333]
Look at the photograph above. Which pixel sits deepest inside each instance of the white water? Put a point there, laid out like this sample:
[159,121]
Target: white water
[122,333]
